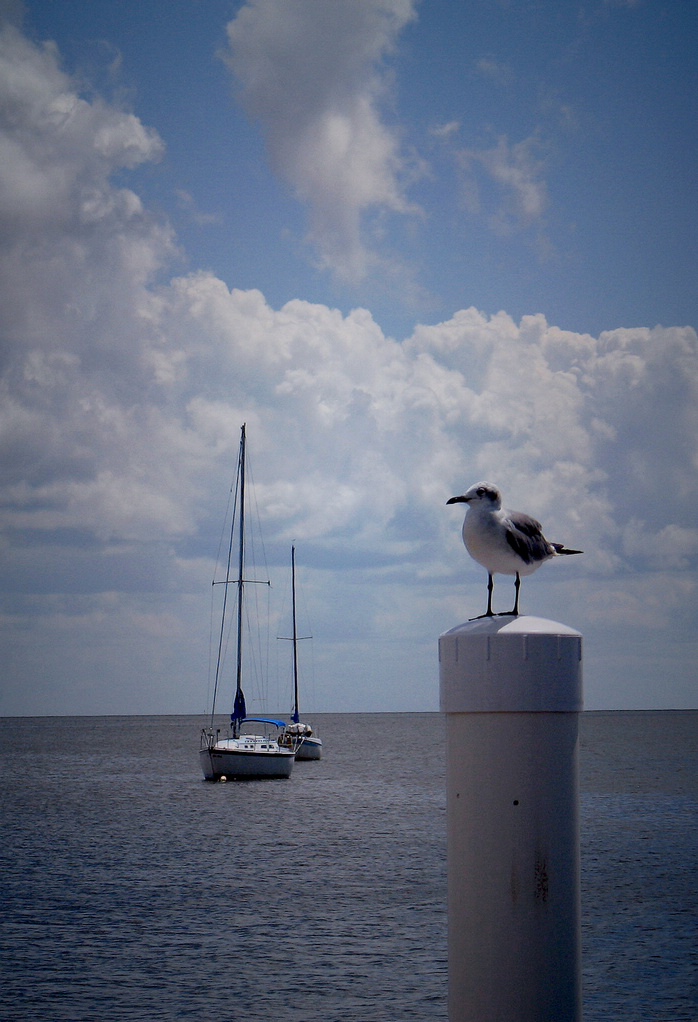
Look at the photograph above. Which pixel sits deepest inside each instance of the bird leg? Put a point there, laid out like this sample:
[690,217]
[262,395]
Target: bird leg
[490,587]
[515,611]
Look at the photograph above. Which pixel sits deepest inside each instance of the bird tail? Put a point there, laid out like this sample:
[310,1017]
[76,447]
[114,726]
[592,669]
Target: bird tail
[561,549]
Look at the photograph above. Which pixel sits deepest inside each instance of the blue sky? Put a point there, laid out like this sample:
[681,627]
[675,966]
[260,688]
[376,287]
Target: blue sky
[591,107]
[412,244]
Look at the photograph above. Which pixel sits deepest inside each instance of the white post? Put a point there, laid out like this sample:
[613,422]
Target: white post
[511,688]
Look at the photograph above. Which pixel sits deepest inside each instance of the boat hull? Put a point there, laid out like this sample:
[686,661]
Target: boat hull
[238,763]
[310,748]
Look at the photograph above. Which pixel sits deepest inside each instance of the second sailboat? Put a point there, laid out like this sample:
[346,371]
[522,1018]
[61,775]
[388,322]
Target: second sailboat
[298,734]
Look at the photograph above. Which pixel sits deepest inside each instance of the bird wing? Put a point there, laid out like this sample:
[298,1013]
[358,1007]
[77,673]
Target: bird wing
[525,537]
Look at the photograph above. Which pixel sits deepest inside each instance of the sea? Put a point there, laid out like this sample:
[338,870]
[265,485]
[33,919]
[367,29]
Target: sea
[132,889]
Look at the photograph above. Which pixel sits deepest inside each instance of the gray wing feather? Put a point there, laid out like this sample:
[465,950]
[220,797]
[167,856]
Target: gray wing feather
[525,537]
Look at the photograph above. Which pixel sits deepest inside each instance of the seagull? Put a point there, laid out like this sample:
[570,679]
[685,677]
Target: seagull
[508,542]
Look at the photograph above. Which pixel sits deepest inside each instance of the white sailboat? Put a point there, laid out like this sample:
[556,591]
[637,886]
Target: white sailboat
[299,734]
[251,748]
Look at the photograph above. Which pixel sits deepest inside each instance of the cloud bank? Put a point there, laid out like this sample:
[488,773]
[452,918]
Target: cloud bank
[122,391]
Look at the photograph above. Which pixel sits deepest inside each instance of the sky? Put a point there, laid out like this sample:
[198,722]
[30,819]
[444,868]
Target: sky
[412,244]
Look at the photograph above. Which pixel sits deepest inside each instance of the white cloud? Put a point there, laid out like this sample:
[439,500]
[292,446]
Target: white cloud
[516,171]
[57,149]
[495,70]
[313,73]
[672,547]
[445,130]
[186,202]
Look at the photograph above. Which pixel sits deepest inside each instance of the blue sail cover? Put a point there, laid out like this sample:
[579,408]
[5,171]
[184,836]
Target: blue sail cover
[266,720]
[239,708]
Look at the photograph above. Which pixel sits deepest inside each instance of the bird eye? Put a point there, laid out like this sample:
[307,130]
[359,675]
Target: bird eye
[481,491]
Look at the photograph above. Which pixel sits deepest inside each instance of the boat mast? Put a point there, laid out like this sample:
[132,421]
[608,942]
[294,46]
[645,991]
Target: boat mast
[225,583]
[295,715]
[239,710]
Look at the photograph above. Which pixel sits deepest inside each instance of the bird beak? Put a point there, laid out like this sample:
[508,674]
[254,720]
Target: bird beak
[458,500]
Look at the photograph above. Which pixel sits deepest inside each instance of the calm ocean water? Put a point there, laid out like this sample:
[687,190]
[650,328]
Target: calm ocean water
[131,889]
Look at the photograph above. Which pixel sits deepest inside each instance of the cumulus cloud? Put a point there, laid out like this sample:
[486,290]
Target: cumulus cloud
[122,393]
[55,177]
[313,74]
[670,547]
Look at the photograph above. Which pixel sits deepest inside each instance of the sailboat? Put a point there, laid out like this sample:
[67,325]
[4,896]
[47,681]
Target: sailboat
[251,747]
[297,733]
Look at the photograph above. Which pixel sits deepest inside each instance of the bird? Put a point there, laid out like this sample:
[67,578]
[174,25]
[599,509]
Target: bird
[503,541]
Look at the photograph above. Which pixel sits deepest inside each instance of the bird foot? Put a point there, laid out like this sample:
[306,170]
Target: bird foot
[481,616]
[507,613]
